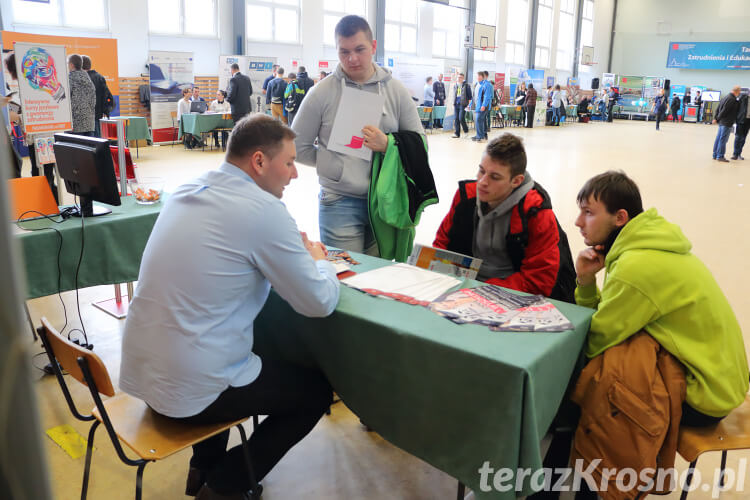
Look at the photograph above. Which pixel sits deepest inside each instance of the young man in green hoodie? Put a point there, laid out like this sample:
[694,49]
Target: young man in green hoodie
[654,283]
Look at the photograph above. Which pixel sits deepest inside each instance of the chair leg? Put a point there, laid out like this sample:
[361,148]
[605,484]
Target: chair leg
[139,480]
[87,466]
[723,467]
[688,479]
[461,491]
[254,486]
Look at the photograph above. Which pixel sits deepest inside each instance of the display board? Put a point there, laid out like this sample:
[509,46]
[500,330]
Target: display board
[413,74]
[169,73]
[608,80]
[102,51]
[44,87]
[651,86]
[631,87]
[711,96]
[329,66]
[709,55]
[225,69]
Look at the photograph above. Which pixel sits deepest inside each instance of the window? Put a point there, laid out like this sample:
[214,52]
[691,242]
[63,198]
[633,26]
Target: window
[273,20]
[401,26]
[183,17]
[543,34]
[517,25]
[334,10]
[446,31]
[587,24]
[91,14]
[566,35]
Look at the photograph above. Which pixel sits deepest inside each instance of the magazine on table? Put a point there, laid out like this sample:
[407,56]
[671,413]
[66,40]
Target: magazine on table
[501,310]
[444,261]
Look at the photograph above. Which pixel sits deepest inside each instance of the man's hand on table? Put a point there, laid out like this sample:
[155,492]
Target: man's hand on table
[316,249]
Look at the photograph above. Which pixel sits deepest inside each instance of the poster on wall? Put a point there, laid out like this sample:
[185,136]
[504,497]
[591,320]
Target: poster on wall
[225,69]
[258,68]
[709,55]
[500,86]
[102,51]
[169,73]
[413,74]
[329,66]
[608,80]
[44,88]
[513,73]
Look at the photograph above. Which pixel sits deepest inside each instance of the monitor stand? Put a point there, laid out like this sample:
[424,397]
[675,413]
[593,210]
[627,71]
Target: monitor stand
[87,208]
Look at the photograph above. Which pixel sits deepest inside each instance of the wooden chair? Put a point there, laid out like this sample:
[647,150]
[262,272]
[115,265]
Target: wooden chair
[150,435]
[731,433]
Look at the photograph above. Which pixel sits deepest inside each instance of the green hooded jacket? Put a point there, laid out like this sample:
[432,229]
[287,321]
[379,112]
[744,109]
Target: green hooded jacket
[388,205]
[653,282]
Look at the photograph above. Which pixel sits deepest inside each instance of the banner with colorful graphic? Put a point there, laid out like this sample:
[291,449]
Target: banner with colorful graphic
[709,55]
[102,51]
[169,73]
[44,87]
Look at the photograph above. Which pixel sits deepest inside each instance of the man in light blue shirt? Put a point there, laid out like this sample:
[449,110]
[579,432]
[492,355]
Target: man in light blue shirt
[219,244]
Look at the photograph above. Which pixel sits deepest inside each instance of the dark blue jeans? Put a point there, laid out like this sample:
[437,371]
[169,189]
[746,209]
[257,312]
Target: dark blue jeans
[720,143]
[480,121]
[739,138]
[460,120]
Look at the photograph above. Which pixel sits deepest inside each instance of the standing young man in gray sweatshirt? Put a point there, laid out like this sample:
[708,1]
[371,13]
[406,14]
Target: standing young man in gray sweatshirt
[344,180]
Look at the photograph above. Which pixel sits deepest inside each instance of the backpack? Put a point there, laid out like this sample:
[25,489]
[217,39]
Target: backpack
[108,104]
[294,99]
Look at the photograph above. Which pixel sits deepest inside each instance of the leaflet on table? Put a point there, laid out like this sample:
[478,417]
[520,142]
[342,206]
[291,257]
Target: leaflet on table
[444,261]
[341,260]
[403,282]
[501,310]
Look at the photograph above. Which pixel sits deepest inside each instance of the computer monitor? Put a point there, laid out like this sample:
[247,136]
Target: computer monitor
[85,164]
[198,106]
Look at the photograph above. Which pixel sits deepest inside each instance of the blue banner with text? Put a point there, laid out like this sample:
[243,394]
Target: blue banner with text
[709,55]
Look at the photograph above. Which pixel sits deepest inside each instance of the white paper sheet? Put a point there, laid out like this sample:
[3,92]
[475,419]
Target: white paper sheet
[357,109]
[403,279]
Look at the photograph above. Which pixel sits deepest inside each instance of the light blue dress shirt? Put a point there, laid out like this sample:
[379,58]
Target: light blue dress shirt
[216,249]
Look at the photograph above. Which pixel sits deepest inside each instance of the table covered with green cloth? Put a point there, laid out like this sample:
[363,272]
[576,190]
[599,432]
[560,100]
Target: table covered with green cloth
[136,128]
[456,396]
[113,246]
[195,124]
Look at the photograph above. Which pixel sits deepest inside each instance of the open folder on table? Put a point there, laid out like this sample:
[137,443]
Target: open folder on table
[403,282]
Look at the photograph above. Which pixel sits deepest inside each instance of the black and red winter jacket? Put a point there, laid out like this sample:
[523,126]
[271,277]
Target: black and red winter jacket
[536,244]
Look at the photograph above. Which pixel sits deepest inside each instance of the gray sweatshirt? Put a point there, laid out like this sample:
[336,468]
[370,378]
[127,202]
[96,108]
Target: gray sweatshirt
[492,229]
[339,173]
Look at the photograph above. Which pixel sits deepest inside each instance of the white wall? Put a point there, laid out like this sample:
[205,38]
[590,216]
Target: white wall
[128,22]
[640,50]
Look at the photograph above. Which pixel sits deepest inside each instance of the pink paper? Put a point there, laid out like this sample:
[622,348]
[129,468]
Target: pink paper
[356,142]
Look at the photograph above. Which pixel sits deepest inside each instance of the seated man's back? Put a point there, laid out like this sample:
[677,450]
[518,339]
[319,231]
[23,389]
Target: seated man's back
[506,219]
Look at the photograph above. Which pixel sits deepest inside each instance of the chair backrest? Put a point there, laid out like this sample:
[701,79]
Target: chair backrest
[67,353]
[424,113]
[32,195]
[173,114]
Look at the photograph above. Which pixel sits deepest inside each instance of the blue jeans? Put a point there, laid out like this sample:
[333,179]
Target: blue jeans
[480,120]
[556,115]
[720,144]
[345,223]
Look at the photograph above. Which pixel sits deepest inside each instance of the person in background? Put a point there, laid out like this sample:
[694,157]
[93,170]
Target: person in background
[268,80]
[490,88]
[103,94]
[660,107]
[196,95]
[304,82]
[438,87]
[743,124]
[275,92]
[675,108]
[558,105]
[238,94]
[611,101]
[726,116]
[183,108]
[698,103]
[322,75]
[583,109]
[530,103]
[520,99]
[429,94]
[462,100]
[293,96]
[482,101]
[220,105]
[82,97]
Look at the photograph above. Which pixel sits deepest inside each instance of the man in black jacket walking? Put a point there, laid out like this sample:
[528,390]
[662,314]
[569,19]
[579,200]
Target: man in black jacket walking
[238,94]
[103,94]
[463,97]
[726,115]
[304,82]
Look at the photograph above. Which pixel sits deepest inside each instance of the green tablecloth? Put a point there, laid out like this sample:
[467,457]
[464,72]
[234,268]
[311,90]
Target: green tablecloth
[137,127]
[113,246]
[195,124]
[453,395]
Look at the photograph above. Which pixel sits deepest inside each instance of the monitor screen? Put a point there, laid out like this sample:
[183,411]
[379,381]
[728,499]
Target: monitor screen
[711,95]
[198,107]
[85,164]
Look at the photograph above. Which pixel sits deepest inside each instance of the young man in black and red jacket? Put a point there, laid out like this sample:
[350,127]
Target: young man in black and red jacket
[506,219]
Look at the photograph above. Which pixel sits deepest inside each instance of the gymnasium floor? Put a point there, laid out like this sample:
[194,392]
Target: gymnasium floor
[340,460]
